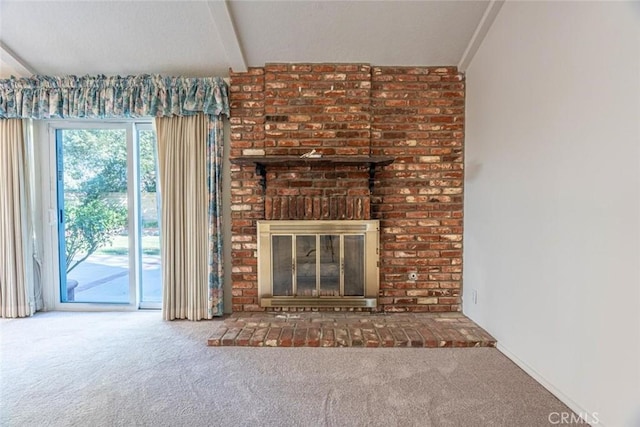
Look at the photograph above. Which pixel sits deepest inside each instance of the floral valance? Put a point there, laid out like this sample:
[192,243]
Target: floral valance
[44,97]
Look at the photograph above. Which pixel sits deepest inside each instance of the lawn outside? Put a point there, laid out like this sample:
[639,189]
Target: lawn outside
[120,246]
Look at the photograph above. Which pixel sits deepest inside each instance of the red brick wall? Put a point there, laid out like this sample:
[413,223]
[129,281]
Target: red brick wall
[326,107]
[418,118]
[415,114]
[247,200]
[323,107]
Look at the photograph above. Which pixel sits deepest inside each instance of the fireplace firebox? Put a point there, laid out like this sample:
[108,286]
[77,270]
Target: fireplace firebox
[316,263]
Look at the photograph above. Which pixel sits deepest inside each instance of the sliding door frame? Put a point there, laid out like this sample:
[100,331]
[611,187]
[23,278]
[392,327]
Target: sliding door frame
[50,215]
[135,166]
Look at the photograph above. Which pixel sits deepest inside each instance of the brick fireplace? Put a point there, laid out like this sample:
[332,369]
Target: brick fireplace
[414,115]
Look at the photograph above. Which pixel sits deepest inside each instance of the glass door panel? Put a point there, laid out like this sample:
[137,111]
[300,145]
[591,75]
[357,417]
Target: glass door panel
[354,265]
[151,277]
[93,212]
[282,265]
[329,265]
[306,255]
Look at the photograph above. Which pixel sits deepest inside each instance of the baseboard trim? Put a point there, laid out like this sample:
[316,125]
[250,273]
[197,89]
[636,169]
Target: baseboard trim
[575,407]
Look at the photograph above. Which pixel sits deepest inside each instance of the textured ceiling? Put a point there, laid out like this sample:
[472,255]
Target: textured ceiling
[205,38]
[380,33]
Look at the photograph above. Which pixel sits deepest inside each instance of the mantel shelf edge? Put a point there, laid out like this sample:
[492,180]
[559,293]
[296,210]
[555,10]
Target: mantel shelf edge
[262,162]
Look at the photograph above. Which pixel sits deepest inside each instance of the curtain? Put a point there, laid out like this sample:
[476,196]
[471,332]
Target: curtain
[33,263]
[44,97]
[14,238]
[214,178]
[188,163]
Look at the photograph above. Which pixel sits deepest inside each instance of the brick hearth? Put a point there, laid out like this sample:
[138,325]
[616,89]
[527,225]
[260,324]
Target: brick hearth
[349,329]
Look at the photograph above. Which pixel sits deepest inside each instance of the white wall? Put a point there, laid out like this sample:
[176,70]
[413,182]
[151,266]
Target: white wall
[552,199]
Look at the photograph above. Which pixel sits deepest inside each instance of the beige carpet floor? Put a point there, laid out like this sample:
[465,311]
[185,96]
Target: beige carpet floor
[133,369]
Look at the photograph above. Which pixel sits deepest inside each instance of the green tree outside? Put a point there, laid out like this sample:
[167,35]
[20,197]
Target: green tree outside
[95,174]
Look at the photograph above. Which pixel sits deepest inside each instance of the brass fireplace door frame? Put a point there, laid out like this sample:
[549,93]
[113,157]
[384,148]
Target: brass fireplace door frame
[369,228]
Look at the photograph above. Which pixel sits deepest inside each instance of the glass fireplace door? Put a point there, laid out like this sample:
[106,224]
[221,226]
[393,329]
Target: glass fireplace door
[306,267]
[332,263]
[353,265]
[282,259]
[330,266]
[321,265]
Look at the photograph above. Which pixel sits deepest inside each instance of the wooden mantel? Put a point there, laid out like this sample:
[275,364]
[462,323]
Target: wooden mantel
[262,162]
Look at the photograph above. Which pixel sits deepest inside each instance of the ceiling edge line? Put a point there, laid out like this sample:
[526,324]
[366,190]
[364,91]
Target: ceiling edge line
[480,33]
[228,36]
[15,62]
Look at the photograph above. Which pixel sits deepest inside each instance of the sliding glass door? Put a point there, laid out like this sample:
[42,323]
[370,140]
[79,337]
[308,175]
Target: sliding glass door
[108,216]
[149,218]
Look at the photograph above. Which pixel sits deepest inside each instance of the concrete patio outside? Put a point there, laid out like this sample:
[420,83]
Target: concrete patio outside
[105,279]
